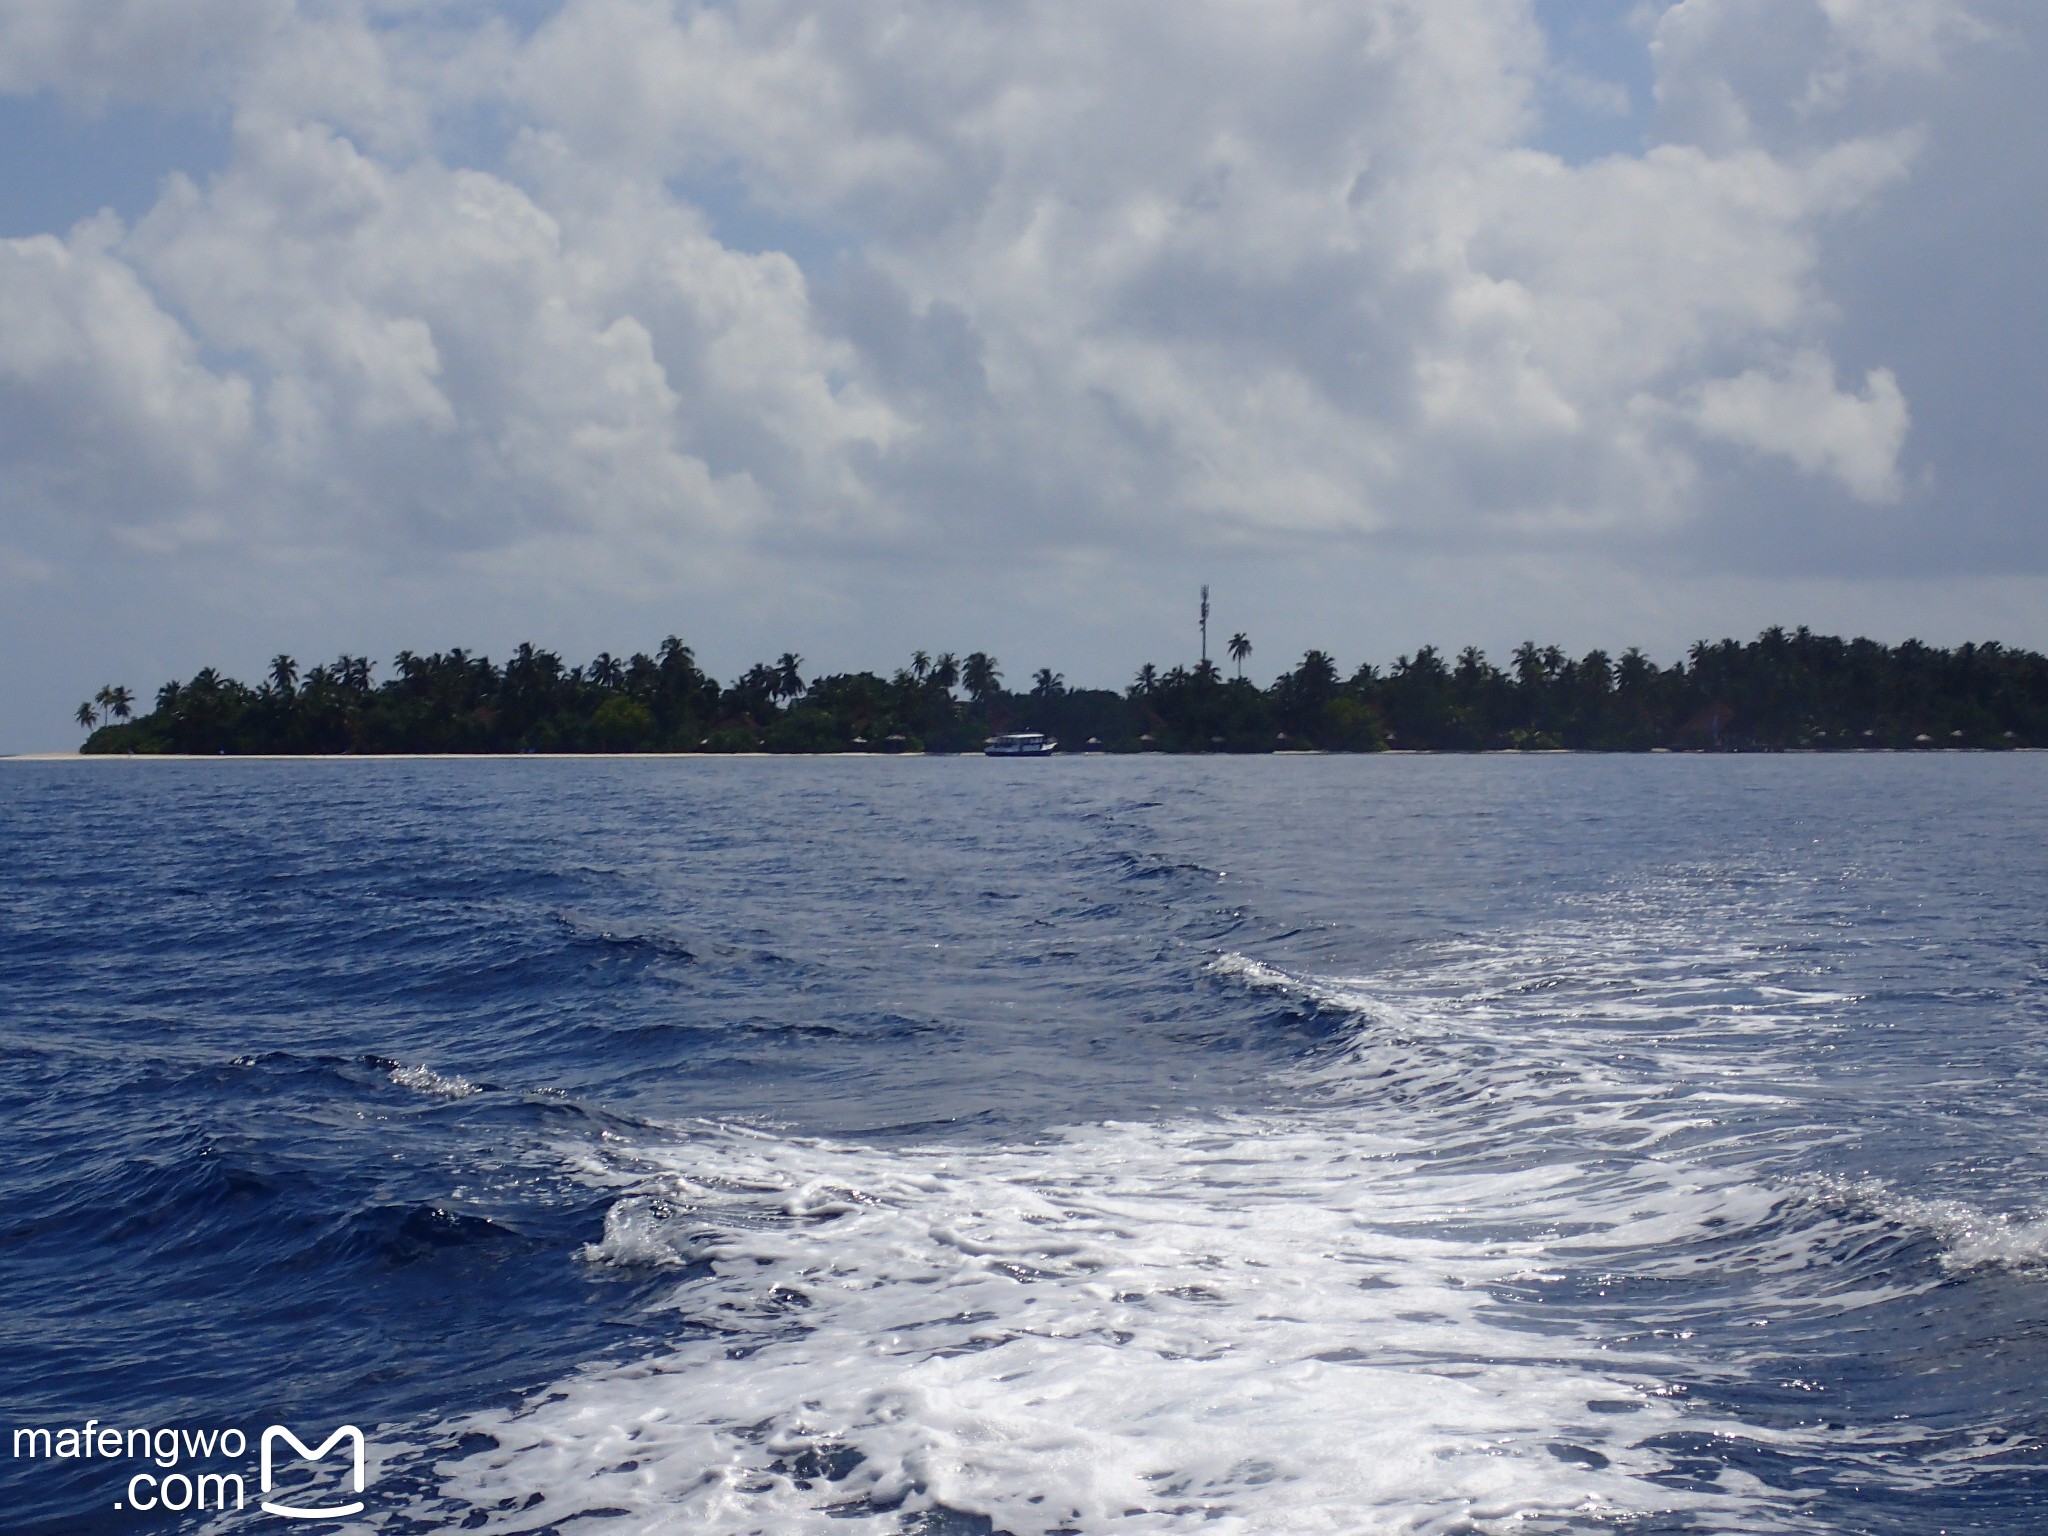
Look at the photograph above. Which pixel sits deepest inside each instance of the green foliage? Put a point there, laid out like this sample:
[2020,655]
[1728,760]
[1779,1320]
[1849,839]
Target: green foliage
[1350,725]
[733,738]
[622,725]
[808,728]
[1781,690]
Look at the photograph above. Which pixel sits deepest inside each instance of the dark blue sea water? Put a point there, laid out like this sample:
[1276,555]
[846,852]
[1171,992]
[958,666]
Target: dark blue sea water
[1088,1145]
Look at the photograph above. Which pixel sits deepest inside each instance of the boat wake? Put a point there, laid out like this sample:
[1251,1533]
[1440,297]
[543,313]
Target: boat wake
[1488,1270]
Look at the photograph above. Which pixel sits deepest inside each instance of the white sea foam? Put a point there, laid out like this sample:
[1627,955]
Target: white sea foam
[1704,1024]
[1311,1319]
[1970,1236]
[423,1079]
[1245,1325]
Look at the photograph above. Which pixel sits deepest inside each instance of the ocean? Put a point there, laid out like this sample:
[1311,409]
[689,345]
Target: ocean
[946,1147]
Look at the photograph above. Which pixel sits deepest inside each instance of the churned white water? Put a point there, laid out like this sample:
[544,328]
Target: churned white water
[1325,1317]
[1382,1305]
[1384,1146]
[424,1079]
[1250,1325]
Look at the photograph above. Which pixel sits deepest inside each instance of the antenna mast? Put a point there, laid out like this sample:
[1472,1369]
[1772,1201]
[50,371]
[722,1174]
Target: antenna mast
[1205,621]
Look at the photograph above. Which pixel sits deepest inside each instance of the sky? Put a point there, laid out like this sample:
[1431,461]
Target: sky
[359,325]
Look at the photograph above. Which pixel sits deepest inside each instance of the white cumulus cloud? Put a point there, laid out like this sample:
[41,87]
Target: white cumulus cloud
[107,411]
[1799,412]
[621,292]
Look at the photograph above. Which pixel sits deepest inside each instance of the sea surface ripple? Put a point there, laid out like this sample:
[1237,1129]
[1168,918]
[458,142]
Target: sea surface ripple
[948,1147]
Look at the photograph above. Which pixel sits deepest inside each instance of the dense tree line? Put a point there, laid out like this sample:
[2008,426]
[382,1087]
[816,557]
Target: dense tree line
[1779,691]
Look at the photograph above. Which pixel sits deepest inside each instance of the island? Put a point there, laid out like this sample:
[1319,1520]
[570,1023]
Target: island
[1779,692]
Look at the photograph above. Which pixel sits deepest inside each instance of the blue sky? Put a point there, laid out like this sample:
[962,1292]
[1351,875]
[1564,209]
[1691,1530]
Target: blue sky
[364,324]
[1601,88]
[66,162]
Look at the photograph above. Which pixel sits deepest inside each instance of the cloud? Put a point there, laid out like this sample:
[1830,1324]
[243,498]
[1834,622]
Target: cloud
[1246,271]
[90,51]
[1892,37]
[1796,411]
[1276,274]
[445,363]
[107,412]
[1734,72]
[658,291]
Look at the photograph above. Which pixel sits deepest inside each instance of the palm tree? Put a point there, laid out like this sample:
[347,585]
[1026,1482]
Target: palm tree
[1047,683]
[789,682]
[118,700]
[606,671]
[1147,680]
[920,664]
[87,716]
[946,670]
[675,657]
[1239,648]
[981,676]
[284,673]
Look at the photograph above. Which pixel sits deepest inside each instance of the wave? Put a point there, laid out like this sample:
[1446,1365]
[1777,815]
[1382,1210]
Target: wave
[1970,1237]
[1451,1012]
[1462,1280]
[424,1080]
[1243,1324]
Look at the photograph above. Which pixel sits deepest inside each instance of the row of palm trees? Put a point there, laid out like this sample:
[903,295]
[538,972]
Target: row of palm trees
[110,703]
[1779,690]
[1147,678]
[782,681]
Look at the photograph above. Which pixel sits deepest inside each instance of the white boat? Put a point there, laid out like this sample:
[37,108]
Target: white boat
[1019,744]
